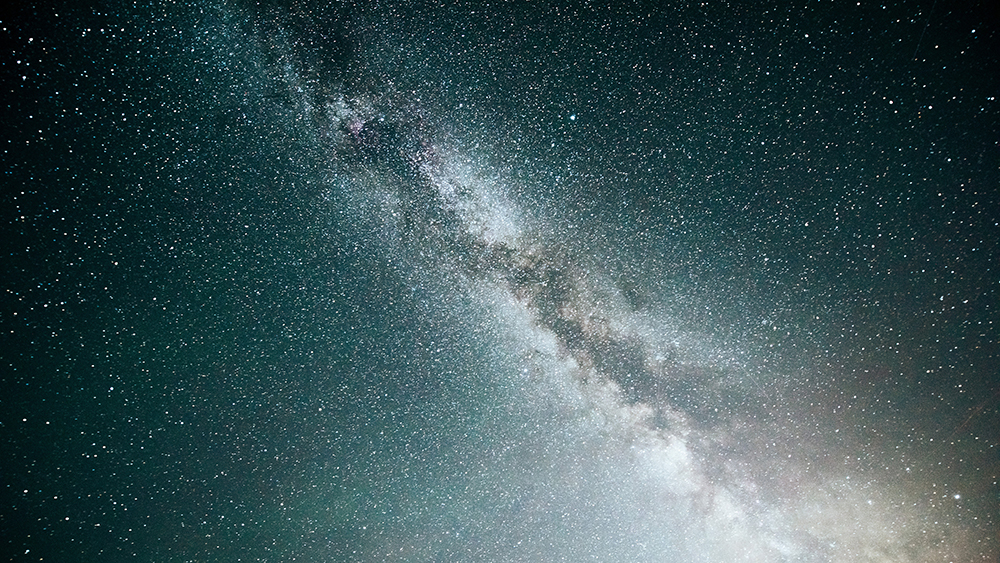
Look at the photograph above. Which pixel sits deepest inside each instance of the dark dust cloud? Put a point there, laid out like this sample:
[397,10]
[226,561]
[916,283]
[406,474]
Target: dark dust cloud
[307,281]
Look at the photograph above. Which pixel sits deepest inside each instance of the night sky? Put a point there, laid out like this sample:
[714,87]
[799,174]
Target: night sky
[429,282]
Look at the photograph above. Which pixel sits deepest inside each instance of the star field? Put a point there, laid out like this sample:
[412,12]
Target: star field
[449,282]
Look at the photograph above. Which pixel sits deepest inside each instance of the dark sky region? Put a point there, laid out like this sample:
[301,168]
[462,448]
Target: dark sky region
[467,282]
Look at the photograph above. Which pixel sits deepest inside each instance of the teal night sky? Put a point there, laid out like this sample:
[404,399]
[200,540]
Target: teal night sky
[531,282]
